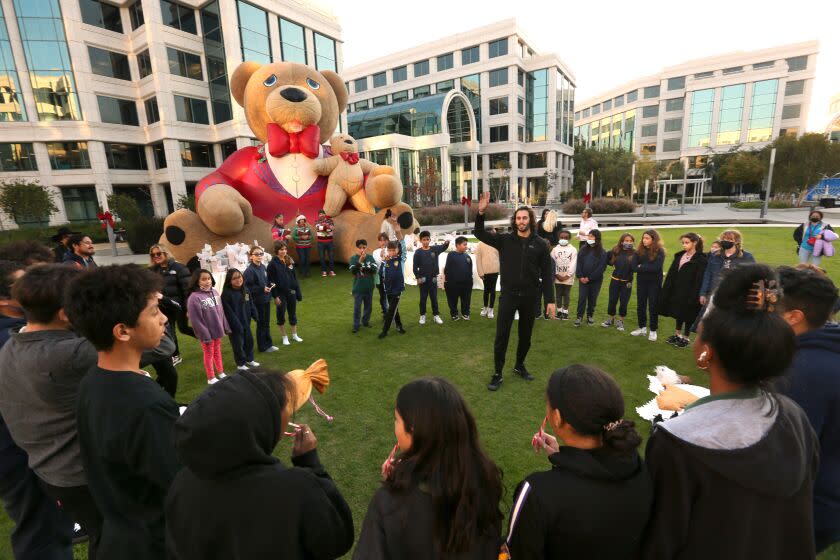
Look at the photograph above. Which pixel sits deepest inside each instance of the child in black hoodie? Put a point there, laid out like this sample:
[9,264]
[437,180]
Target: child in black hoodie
[286,291]
[233,499]
[458,279]
[239,311]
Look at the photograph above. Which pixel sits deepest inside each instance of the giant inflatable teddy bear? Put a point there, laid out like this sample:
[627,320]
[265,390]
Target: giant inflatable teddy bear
[293,109]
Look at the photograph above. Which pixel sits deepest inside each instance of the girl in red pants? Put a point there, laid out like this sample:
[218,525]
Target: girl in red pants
[208,321]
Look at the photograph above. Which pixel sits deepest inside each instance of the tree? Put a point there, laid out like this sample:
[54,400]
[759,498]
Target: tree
[552,178]
[802,162]
[124,207]
[429,179]
[743,168]
[27,202]
[502,167]
[612,169]
[185,201]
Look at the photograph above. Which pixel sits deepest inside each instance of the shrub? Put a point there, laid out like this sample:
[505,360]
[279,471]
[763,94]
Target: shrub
[124,207]
[756,204]
[28,203]
[142,233]
[600,205]
[454,214]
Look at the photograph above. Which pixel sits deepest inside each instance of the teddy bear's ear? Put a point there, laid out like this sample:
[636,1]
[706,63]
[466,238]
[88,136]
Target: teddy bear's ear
[338,87]
[240,79]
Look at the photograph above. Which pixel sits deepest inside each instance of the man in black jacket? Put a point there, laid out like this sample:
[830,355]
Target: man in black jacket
[524,259]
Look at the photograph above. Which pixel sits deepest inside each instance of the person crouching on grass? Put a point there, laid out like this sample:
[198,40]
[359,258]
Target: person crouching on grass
[285,290]
[209,323]
[363,268]
[458,280]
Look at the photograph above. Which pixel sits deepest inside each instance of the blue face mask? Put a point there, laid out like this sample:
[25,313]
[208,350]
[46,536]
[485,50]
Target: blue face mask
[590,242]
[627,245]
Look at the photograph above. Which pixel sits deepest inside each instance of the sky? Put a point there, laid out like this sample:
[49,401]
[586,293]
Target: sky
[607,43]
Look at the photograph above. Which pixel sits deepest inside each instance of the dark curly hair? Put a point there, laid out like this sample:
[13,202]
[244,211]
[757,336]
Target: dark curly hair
[26,251]
[532,221]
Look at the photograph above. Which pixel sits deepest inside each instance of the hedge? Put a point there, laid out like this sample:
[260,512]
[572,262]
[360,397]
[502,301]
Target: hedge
[601,205]
[454,214]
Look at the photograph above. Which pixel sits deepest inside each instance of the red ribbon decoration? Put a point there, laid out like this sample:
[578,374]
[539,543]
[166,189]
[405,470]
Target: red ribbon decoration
[306,142]
[586,198]
[465,200]
[350,157]
[106,219]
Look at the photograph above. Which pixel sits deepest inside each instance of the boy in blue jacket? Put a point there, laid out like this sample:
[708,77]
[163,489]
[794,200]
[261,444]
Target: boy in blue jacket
[426,271]
[458,279]
[392,276]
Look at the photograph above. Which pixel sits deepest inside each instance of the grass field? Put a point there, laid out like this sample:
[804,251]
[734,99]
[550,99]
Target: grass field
[367,373]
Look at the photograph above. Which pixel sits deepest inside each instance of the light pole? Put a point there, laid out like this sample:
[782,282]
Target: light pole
[769,184]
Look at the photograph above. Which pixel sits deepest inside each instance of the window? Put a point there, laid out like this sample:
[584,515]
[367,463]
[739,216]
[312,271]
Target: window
[498,48]
[445,62]
[632,96]
[648,149]
[470,55]
[792,132]
[536,161]
[606,105]
[360,85]
[135,14]
[184,64]
[80,203]
[379,79]
[101,15]
[797,63]
[17,157]
[617,102]
[178,16]
[152,113]
[68,155]
[731,111]
[421,68]
[422,91]
[399,74]
[11,100]
[498,77]
[445,86]
[325,53]
[675,104]
[292,41]
[762,111]
[676,83]
[214,51]
[189,109]
[254,33]
[398,96]
[673,125]
[520,133]
[536,106]
[380,101]
[703,75]
[361,105]
[791,111]
[797,87]
[144,63]
[650,111]
[732,70]
[596,109]
[520,77]
[520,105]
[499,106]
[109,63]
[117,111]
[125,156]
[499,133]
[196,154]
[648,130]
[700,120]
[651,92]
[762,65]
[228,148]
[671,145]
[585,113]
[159,154]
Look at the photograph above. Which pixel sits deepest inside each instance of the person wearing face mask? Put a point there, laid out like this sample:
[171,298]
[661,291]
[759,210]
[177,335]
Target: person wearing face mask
[209,322]
[622,259]
[681,290]
[731,255]
[591,263]
[808,234]
[564,256]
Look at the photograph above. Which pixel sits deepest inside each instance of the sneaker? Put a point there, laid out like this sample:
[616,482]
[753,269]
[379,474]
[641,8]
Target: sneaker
[607,323]
[490,314]
[641,331]
[323,275]
[422,319]
[355,330]
[483,312]
[438,320]
[590,321]
[286,341]
[212,381]
[563,316]
[243,368]
[522,372]
[79,534]
[272,348]
[221,375]
[296,338]
[382,335]
[672,339]
[682,342]
[619,325]
[332,273]
[252,363]
[516,316]
[652,336]
[465,317]
[578,321]
[456,318]
[495,382]
[176,359]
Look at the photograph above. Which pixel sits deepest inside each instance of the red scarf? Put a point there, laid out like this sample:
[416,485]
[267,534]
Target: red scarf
[306,142]
[350,157]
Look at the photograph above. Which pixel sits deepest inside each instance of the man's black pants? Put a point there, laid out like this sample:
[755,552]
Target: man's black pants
[509,304]
[78,503]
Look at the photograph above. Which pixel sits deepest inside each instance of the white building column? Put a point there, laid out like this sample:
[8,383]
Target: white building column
[513,177]
[395,163]
[474,174]
[445,175]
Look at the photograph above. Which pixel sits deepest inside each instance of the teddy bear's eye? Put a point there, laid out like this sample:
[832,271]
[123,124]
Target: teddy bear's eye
[270,81]
[312,83]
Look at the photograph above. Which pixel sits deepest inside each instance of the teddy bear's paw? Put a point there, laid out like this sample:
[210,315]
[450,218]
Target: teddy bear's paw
[184,234]
[383,189]
[223,210]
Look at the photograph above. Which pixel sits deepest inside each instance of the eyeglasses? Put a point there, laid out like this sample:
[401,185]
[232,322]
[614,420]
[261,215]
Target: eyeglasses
[257,254]
[155,255]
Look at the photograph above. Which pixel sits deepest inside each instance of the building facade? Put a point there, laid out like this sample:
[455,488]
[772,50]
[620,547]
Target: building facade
[705,106]
[133,97]
[476,111]
[832,130]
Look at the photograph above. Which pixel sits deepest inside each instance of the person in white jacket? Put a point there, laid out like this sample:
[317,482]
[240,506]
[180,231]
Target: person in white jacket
[487,266]
[587,224]
[564,256]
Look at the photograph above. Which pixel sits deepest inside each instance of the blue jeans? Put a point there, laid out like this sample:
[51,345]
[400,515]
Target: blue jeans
[304,259]
[360,300]
[619,295]
[587,298]
[323,250]
[806,254]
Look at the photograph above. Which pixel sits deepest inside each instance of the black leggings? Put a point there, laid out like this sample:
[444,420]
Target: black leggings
[490,281]
[619,295]
[588,297]
[647,298]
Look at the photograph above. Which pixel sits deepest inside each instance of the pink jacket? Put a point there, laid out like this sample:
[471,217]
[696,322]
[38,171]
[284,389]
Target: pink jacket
[823,247]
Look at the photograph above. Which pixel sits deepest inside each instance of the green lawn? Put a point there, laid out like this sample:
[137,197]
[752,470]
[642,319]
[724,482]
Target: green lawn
[367,373]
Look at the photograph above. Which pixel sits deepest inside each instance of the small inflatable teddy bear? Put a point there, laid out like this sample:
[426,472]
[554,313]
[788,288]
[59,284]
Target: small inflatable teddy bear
[346,173]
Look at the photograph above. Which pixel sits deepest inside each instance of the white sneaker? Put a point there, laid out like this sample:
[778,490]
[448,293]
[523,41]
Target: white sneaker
[252,364]
[272,349]
[221,375]
[422,319]
[652,336]
[212,381]
[286,341]
[490,313]
[438,320]
[483,312]
[516,316]
[641,331]
[243,368]
[296,338]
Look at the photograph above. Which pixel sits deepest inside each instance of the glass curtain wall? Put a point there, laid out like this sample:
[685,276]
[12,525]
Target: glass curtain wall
[471,87]
[731,111]
[214,50]
[700,118]
[762,109]
[254,33]
[11,101]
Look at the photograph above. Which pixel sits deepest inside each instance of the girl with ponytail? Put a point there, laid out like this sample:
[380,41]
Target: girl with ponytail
[734,474]
[595,500]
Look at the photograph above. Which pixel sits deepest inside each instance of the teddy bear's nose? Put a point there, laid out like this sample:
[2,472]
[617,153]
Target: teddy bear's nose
[293,94]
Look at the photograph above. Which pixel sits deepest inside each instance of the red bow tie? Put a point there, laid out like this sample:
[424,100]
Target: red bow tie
[351,158]
[306,142]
